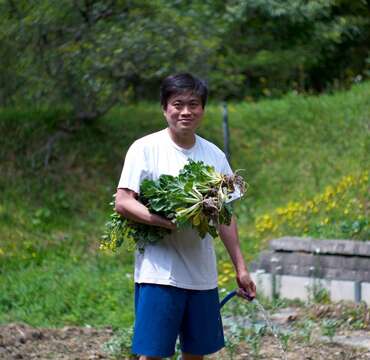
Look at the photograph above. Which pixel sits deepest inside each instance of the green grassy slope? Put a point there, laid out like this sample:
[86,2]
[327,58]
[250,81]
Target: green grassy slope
[51,218]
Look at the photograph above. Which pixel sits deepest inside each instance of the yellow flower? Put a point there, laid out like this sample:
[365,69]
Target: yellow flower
[227,265]
[364,178]
[1,251]
[310,204]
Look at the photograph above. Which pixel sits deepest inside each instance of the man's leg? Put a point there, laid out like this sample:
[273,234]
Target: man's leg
[158,314]
[201,330]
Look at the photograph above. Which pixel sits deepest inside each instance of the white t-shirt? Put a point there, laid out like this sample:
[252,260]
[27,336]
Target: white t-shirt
[182,258]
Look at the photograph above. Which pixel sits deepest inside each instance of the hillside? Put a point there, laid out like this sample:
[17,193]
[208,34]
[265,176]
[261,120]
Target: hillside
[51,217]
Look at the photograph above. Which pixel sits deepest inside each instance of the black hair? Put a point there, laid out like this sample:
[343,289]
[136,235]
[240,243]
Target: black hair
[181,83]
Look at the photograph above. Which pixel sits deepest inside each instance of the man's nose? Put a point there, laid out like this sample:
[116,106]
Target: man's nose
[185,110]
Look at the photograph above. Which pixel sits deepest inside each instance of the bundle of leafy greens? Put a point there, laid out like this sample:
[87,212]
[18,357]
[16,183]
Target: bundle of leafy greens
[199,197]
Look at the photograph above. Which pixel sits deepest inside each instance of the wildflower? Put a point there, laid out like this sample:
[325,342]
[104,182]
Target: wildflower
[227,265]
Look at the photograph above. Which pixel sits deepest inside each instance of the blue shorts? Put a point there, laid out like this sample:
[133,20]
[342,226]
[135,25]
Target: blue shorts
[163,312]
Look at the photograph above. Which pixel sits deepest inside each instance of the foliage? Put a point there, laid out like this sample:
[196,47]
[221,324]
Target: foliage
[120,344]
[199,197]
[254,338]
[340,210]
[306,330]
[329,328]
[91,54]
[280,45]
[317,293]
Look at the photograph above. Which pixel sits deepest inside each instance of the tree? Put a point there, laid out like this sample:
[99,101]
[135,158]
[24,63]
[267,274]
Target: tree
[89,54]
[283,44]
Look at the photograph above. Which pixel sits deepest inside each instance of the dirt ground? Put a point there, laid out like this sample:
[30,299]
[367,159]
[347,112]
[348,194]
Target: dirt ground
[20,341]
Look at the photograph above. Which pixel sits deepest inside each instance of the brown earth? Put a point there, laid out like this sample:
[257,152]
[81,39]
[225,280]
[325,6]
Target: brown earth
[298,351]
[20,341]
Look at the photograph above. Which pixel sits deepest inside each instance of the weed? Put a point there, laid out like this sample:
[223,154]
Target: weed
[284,337]
[254,337]
[329,328]
[317,293]
[306,330]
[120,344]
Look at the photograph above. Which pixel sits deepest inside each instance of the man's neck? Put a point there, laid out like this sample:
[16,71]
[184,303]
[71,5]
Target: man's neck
[184,140]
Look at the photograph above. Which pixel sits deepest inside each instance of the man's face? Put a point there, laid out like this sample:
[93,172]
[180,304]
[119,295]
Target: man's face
[184,113]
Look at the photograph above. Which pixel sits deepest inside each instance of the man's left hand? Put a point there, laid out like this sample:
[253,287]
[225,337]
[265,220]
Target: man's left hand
[247,288]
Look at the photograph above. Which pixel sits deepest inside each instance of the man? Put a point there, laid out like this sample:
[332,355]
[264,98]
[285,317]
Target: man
[176,279]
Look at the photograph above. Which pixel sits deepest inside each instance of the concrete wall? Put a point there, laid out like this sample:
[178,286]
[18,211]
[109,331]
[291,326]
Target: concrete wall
[301,287]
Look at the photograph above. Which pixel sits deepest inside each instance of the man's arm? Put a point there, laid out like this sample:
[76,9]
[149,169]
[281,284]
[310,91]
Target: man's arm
[128,206]
[229,236]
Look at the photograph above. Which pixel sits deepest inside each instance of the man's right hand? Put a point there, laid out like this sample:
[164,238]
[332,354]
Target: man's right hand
[128,206]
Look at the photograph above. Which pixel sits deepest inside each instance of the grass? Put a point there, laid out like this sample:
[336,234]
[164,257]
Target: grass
[51,219]
[66,291]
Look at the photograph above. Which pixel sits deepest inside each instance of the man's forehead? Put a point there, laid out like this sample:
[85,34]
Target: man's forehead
[187,96]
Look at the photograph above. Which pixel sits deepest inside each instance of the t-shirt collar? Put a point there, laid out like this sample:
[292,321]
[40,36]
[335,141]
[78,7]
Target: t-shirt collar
[179,148]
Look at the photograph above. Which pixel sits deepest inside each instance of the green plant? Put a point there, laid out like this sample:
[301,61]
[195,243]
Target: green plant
[317,293]
[120,344]
[306,330]
[356,316]
[329,328]
[232,339]
[197,197]
[41,218]
[254,337]
[284,337]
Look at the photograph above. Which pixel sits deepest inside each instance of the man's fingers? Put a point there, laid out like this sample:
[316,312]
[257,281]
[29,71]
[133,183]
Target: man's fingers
[245,294]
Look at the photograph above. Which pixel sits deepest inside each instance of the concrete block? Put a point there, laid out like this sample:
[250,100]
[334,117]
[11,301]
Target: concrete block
[300,287]
[342,290]
[365,292]
[337,267]
[294,287]
[263,283]
[309,245]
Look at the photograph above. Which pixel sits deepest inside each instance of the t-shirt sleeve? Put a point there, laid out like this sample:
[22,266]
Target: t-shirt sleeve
[135,168]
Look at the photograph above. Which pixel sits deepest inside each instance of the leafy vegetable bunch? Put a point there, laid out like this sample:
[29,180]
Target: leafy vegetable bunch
[199,196]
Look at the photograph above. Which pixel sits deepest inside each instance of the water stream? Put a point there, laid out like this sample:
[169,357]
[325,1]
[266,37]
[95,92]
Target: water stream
[266,318]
